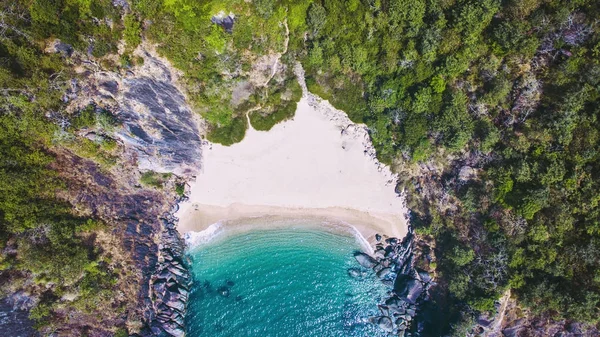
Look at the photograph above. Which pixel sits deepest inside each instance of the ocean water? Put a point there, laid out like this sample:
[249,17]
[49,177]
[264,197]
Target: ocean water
[281,283]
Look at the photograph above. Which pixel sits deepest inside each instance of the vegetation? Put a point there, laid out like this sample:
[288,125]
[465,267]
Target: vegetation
[498,99]
[45,246]
[279,105]
[154,179]
[507,89]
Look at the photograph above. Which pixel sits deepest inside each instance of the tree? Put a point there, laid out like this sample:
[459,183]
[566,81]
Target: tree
[317,16]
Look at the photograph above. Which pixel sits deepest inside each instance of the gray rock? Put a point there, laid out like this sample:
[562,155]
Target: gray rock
[365,260]
[355,272]
[384,273]
[385,311]
[158,123]
[385,323]
[408,287]
[174,329]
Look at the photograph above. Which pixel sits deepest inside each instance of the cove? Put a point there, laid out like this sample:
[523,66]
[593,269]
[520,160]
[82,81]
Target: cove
[281,282]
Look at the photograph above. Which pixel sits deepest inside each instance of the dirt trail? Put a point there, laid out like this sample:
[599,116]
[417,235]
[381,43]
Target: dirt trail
[276,64]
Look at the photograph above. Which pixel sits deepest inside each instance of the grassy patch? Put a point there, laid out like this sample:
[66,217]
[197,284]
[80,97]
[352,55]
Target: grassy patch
[154,179]
[180,189]
[264,122]
[230,134]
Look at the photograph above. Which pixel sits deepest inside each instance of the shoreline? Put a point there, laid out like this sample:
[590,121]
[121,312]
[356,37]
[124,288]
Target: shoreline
[201,223]
[318,165]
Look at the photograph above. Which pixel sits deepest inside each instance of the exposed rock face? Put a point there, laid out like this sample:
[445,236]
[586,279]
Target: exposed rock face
[155,119]
[169,285]
[14,317]
[158,123]
[225,21]
[142,221]
[393,265]
[511,320]
[365,260]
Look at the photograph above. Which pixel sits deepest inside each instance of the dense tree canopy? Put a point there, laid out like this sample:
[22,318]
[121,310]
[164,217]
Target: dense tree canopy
[508,90]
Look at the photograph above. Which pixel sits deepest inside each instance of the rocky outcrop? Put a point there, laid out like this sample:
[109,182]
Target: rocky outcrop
[14,316]
[153,116]
[142,223]
[393,264]
[169,286]
[225,21]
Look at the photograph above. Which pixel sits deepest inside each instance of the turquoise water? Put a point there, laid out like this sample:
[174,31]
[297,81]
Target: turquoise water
[281,283]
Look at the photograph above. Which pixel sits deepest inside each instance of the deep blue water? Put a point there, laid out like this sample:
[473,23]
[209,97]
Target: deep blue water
[281,283]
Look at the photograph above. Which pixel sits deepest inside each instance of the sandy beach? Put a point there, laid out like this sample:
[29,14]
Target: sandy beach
[317,165]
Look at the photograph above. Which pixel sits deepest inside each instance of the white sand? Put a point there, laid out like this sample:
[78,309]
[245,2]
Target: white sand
[317,165]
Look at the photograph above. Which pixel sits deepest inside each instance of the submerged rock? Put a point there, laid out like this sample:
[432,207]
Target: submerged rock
[365,260]
[224,291]
[355,272]
[385,323]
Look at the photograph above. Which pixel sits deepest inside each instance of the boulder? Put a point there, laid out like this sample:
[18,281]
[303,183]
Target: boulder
[224,291]
[365,260]
[384,273]
[355,272]
[385,323]
[423,275]
[392,241]
[408,287]
[385,311]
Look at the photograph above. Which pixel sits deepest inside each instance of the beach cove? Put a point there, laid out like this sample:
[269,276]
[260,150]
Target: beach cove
[318,164]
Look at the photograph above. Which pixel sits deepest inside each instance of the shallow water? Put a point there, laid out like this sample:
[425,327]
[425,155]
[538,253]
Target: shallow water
[281,283]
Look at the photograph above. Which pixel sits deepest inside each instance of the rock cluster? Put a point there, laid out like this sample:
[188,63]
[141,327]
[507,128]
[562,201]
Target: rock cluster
[169,285]
[14,316]
[393,265]
[225,21]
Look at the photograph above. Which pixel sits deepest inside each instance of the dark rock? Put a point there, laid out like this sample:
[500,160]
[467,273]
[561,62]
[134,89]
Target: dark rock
[63,48]
[423,275]
[384,273]
[13,320]
[408,287]
[174,329]
[365,260]
[392,241]
[378,268]
[224,21]
[224,291]
[388,283]
[230,283]
[377,237]
[385,323]
[110,86]
[239,298]
[355,272]
[385,310]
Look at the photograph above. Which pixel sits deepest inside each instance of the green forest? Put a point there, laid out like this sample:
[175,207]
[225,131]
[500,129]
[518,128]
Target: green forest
[489,109]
